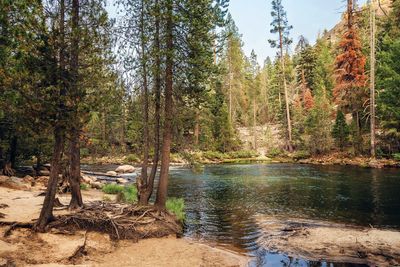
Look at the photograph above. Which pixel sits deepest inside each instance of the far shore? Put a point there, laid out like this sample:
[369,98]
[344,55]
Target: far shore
[328,159]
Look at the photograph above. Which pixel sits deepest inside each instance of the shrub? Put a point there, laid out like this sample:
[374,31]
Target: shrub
[274,152]
[396,156]
[243,154]
[213,155]
[112,189]
[176,206]
[84,187]
[132,158]
[301,155]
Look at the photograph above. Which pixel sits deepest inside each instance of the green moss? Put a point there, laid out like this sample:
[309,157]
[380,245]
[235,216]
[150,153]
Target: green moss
[176,206]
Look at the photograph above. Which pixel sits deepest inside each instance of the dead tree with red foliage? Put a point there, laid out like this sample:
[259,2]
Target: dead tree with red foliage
[350,92]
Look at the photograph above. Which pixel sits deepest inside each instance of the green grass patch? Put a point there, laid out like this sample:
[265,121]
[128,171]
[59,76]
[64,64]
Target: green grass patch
[176,206]
[396,156]
[113,189]
[214,155]
[84,187]
[128,195]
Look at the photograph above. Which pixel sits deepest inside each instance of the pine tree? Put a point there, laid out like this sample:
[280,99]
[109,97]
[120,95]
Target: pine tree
[341,130]
[351,79]
[281,27]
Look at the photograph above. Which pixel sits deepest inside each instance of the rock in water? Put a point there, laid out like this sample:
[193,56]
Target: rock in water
[111,173]
[125,169]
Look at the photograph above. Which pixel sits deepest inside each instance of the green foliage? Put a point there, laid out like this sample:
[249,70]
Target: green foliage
[132,158]
[243,154]
[318,128]
[176,206]
[112,189]
[302,154]
[128,194]
[341,130]
[84,186]
[396,156]
[275,152]
[214,155]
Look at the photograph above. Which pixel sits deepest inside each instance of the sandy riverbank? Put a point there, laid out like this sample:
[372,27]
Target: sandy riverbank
[57,248]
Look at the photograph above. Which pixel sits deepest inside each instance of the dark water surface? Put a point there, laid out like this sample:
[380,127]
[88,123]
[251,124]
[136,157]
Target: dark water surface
[223,201]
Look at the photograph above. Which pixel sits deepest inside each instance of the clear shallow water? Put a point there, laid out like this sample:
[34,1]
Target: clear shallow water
[222,202]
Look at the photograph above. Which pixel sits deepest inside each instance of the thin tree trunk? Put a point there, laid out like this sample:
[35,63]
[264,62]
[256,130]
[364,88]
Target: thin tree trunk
[142,181]
[157,89]
[372,78]
[75,168]
[230,84]
[167,135]
[13,152]
[197,128]
[46,213]
[289,122]
[254,123]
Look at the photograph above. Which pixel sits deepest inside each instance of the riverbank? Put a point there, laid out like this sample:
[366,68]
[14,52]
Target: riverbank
[204,158]
[340,243]
[91,248]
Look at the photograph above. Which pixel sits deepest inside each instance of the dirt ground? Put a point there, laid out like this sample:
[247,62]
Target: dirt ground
[331,242]
[59,248]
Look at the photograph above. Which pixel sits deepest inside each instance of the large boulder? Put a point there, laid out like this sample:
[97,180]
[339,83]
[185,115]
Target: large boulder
[125,169]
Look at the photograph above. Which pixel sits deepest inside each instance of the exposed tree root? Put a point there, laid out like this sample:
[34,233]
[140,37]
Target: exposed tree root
[15,225]
[79,252]
[120,221]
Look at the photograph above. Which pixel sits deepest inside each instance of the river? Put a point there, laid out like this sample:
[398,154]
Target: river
[223,202]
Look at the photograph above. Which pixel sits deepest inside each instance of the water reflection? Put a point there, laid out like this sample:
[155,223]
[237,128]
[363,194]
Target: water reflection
[223,200]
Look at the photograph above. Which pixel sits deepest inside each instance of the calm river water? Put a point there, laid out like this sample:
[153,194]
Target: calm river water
[222,201]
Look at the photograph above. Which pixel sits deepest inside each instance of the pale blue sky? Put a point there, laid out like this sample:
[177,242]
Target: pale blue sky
[308,18]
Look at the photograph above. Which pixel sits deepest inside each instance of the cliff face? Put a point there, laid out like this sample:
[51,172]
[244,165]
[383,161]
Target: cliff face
[335,34]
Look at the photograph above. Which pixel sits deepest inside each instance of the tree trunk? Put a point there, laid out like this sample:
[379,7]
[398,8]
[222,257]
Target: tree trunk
[197,128]
[146,193]
[46,214]
[75,169]
[167,135]
[13,152]
[372,78]
[289,122]
[142,181]
[254,124]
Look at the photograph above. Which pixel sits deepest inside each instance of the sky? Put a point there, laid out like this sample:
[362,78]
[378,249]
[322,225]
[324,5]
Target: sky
[253,18]
[308,18]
